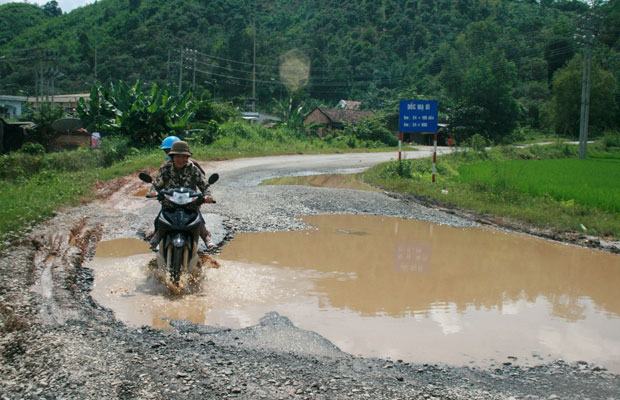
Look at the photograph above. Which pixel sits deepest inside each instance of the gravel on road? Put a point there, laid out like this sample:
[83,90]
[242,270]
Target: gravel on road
[56,342]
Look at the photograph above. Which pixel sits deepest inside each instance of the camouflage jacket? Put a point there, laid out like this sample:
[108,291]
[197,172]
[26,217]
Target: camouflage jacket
[189,176]
[191,160]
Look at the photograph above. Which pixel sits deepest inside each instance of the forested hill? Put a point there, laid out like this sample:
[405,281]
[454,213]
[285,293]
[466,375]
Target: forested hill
[492,53]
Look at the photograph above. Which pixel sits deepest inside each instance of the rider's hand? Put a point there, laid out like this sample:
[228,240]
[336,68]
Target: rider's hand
[207,199]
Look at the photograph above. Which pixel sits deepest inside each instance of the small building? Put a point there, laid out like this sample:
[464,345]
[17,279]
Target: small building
[68,102]
[11,106]
[259,118]
[12,135]
[329,119]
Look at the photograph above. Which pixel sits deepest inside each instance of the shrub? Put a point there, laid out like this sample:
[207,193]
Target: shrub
[214,111]
[34,149]
[369,132]
[479,142]
[204,132]
[611,139]
[29,162]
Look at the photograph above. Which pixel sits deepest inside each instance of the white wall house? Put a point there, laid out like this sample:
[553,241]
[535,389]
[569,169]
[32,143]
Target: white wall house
[11,106]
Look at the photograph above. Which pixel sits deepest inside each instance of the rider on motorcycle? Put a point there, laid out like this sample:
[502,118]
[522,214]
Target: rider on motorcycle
[166,145]
[180,172]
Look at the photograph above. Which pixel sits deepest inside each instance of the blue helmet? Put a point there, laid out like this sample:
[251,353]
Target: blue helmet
[167,143]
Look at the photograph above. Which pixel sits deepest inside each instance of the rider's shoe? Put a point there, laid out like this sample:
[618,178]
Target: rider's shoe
[154,241]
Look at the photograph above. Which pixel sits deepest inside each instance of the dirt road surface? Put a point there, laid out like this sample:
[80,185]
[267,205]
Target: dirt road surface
[56,342]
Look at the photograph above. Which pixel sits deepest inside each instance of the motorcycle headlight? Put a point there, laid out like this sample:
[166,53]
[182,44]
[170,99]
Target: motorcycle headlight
[178,241]
[180,198]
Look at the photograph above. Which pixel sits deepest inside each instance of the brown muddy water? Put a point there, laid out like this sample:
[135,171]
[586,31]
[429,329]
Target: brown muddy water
[390,287]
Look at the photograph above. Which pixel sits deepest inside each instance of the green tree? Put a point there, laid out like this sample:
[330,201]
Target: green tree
[51,8]
[44,117]
[15,18]
[565,106]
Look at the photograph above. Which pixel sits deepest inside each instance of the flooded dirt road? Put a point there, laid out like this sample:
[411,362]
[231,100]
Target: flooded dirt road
[397,288]
[82,316]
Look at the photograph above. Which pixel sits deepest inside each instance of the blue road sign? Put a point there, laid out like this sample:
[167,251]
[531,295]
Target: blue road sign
[418,116]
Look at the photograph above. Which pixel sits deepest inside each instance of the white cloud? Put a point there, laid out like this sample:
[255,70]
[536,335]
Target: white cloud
[65,5]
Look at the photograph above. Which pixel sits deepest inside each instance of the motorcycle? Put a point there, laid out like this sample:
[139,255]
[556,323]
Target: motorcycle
[179,229]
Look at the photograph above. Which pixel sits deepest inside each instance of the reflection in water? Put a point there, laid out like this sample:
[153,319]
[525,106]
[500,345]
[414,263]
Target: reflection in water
[121,248]
[406,266]
[390,287]
[484,289]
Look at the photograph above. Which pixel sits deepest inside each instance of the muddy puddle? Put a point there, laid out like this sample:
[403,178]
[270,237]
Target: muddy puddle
[339,181]
[140,192]
[404,289]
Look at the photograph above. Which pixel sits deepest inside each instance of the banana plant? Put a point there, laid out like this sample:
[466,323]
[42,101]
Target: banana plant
[144,117]
[96,113]
[294,110]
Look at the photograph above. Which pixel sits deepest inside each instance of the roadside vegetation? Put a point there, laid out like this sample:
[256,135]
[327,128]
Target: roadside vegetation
[543,185]
[34,183]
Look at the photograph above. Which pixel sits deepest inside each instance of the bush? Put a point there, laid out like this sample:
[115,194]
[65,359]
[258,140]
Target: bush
[30,161]
[34,149]
[214,111]
[113,149]
[611,139]
[204,132]
[479,142]
[369,132]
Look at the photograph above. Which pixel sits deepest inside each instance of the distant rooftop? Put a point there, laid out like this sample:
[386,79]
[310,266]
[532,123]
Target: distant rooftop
[349,105]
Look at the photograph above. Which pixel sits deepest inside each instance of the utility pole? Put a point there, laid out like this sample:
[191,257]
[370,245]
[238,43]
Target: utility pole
[181,71]
[195,58]
[585,101]
[95,62]
[585,34]
[168,67]
[55,57]
[36,83]
[254,69]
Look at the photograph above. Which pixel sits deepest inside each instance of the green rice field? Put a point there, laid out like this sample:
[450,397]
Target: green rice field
[592,182]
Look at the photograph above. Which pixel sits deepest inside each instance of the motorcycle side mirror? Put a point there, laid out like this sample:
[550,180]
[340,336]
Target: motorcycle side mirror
[145,177]
[213,178]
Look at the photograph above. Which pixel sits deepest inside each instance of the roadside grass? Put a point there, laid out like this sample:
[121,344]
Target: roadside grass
[33,188]
[33,200]
[511,183]
[594,183]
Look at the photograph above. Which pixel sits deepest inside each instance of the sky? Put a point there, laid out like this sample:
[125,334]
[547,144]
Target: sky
[65,5]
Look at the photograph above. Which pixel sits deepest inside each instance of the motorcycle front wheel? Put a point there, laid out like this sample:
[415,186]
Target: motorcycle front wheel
[177,264]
